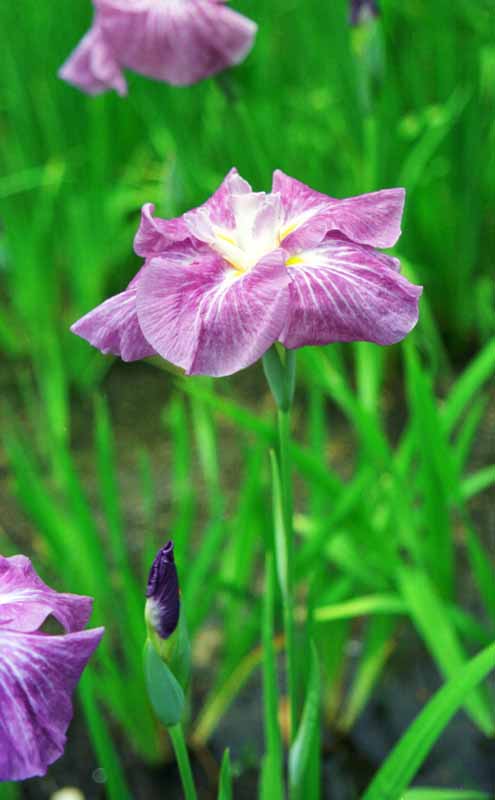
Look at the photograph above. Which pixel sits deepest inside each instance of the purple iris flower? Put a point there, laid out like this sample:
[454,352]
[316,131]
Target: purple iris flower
[178,41]
[163,603]
[362,10]
[226,280]
[38,672]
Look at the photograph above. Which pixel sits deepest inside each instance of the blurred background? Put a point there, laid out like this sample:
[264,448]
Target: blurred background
[102,462]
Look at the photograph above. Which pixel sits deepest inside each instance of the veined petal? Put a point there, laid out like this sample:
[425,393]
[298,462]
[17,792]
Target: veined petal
[179,42]
[372,219]
[154,235]
[344,292]
[92,66]
[208,319]
[26,601]
[113,326]
[37,677]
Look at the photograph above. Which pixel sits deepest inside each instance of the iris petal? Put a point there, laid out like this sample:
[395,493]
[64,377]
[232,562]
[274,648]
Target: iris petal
[178,42]
[25,601]
[206,318]
[113,326]
[92,66]
[342,292]
[372,219]
[37,677]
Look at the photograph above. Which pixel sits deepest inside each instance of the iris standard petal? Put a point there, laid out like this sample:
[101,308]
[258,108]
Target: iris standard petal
[154,234]
[217,211]
[37,677]
[113,326]
[92,66]
[209,319]
[26,601]
[343,292]
[372,219]
[178,41]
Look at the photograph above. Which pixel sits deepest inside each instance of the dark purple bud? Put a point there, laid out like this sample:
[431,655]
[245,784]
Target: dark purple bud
[163,605]
[363,10]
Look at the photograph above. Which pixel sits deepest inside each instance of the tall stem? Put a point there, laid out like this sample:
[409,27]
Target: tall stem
[182,756]
[288,594]
[279,366]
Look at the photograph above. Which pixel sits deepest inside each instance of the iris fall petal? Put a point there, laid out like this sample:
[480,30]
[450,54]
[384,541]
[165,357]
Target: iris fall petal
[343,292]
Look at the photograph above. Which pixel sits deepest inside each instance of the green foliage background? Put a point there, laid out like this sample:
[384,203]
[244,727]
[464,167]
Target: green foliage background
[405,101]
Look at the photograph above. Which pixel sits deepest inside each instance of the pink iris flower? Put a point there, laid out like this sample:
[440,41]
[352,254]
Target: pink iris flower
[178,41]
[38,672]
[225,281]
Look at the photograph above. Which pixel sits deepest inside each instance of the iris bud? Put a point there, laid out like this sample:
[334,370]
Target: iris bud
[163,601]
[363,10]
[167,653]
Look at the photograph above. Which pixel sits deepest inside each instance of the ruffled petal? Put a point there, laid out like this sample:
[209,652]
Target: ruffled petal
[25,601]
[155,235]
[344,292]
[372,219]
[208,319]
[217,211]
[113,326]
[92,66]
[37,677]
[178,42]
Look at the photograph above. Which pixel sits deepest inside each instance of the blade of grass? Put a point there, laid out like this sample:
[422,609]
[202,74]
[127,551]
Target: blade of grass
[400,767]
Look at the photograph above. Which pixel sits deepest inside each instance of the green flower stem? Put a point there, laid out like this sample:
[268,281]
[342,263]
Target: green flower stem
[288,594]
[279,366]
[179,743]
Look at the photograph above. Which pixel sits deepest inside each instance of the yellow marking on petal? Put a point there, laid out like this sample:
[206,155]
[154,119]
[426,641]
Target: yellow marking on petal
[226,238]
[285,231]
[235,266]
[293,260]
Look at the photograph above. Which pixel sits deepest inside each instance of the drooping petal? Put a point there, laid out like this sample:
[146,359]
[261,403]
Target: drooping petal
[209,319]
[163,603]
[113,326]
[37,677]
[178,42]
[26,601]
[344,292]
[372,219]
[154,235]
[92,66]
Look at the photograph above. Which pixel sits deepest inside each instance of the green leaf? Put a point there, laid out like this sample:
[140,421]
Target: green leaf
[300,752]
[478,371]
[377,647]
[165,692]
[409,754]
[360,606]
[280,375]
[444,794]
[477,482]
[482,569]
[225,784]
[433,623]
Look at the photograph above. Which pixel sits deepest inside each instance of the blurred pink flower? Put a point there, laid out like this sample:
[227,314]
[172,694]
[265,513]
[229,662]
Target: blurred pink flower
[38,672]
[178,41]
[226,280]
